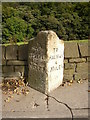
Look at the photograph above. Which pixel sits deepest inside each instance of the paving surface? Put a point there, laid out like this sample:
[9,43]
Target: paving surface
[64,102]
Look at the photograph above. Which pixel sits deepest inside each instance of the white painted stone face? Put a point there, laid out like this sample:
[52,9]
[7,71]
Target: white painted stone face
[55,51]
[46,55]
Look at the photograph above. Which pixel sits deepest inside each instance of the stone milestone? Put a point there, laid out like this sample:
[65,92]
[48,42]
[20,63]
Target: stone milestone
[45,60]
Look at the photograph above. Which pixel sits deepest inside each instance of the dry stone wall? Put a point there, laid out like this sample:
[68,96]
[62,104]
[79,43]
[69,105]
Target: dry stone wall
[14,60]
[76,58]
[76,61]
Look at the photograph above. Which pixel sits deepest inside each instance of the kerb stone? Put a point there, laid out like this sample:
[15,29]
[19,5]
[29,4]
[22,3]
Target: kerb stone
[45,60]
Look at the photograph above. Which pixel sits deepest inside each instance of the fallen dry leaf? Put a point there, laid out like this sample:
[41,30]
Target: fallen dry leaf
[14,86]
[7,100]
[69,84]
[17,101]
[71,81]
[10,92]
[27,92]
[78,81]
[10,96]
[13,110]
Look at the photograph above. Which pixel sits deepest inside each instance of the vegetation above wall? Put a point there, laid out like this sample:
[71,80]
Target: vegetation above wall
[22,21]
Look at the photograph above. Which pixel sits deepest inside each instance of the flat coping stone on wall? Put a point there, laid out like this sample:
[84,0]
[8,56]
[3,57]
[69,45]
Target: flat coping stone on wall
[71,50]
[45,60]
[83,49]
[11,52]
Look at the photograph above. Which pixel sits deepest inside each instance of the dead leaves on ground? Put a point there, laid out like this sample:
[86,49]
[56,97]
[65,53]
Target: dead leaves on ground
[70,82]
[11,86]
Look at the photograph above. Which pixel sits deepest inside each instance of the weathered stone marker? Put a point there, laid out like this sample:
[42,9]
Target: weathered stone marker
[45,60]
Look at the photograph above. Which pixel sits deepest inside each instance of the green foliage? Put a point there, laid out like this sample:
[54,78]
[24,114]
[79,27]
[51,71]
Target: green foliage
[15,29]
[22,21]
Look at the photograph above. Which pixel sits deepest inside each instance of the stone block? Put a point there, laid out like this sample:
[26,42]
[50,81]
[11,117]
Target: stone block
[7,69]
[77,60]
[3,62]
[0,68]
[71,50]
[11,52]
[23,52]
[65,60]
[82,67]
[88,59]
[69,66]
[1,79]
[16,62]
[3,53]
[11,75]
[0,54]
[68,77]
[20,69]
[69,72]
[81,75]
[45,60]
[83,47]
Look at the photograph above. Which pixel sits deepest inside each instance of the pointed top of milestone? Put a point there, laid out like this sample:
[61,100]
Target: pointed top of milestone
[49,34]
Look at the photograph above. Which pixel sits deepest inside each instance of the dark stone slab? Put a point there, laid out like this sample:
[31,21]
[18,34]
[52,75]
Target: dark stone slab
[23,52]
[20,69]
[11,52]
[7,69]
[3,53]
